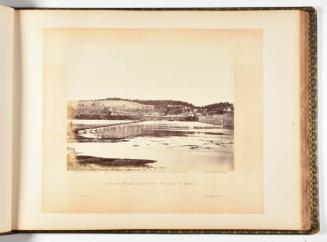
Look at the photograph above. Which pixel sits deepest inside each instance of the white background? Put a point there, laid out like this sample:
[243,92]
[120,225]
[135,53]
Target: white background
[321,7]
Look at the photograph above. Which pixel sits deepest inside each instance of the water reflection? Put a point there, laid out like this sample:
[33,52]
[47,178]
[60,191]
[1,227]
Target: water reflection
[172,145]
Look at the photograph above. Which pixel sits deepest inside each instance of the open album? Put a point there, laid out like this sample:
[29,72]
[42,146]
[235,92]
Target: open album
[158,120]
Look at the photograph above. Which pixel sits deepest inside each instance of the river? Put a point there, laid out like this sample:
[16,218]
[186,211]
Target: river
[179,146]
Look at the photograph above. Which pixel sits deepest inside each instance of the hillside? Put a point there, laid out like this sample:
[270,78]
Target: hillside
[151,102]
[133,109]
[119,104]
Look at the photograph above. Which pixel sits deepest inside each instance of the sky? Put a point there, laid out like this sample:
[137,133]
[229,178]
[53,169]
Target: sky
[153,67]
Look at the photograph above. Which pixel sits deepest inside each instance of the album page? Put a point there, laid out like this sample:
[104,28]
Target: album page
[159,120]
[6,115]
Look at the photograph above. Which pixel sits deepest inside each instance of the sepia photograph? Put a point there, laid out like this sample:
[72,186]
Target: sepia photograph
[127,118]
[157,135]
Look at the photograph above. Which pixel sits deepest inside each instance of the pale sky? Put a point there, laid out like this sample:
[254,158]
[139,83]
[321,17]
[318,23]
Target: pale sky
[197,72]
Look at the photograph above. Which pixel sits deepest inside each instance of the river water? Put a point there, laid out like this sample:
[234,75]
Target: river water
[179,146]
